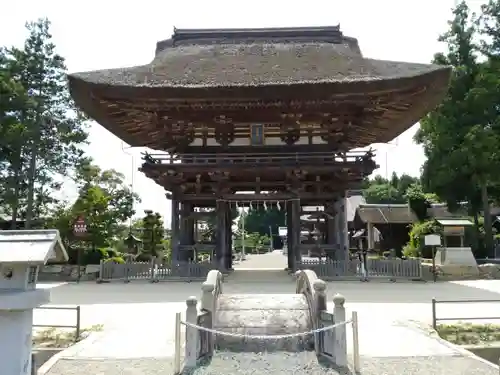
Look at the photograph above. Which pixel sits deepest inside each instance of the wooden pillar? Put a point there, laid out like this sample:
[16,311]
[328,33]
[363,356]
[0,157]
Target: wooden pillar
[221,235]
[297,230]
[185,254]
[289,235]
[229,252]
[174,228]
[369,236]
[330,226]
[190,225]
[345,225]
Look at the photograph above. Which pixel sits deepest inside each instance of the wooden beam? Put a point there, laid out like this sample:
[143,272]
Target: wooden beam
[258,197]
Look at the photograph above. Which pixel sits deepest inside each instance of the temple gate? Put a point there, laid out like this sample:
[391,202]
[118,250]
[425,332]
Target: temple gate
[267,115]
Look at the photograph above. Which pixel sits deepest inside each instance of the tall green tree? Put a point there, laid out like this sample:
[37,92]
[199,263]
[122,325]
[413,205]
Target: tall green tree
[380,190]
[263,221]
[50,129]
[152,232]
[459,139]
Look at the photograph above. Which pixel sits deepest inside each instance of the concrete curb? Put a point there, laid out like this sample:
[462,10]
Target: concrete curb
[429,331]
[68,353]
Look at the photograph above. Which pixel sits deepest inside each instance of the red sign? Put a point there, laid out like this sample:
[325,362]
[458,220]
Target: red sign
[80,227]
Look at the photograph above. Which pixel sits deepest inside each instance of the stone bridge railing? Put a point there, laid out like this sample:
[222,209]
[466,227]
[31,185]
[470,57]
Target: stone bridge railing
[330,337]
[200,343]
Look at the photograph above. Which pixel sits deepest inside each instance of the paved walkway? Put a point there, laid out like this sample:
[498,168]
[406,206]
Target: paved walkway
[272,260]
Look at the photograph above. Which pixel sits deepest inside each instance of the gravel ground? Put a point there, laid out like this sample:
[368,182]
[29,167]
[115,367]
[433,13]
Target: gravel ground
[306,363]
[276,363]
[143,366]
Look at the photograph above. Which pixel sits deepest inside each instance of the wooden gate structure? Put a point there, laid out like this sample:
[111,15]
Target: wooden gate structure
[273,113]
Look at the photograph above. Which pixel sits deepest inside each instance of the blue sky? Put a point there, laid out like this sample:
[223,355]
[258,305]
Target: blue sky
[110,34]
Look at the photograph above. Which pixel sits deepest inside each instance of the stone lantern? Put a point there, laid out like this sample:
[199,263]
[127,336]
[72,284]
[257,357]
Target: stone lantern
[22,253]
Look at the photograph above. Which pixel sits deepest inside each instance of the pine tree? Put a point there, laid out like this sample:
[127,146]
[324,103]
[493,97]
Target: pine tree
[53,130]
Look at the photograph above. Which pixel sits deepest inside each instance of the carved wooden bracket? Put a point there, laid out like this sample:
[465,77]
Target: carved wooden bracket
[224,130]
[198,184]
[219,175]
[290,127]
[335,128]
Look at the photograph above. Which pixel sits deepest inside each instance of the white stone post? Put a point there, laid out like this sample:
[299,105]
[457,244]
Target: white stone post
[177,354]
[355,342]
[340,346]
[192,333]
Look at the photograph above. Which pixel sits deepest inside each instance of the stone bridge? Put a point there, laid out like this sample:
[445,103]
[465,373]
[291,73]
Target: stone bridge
[285,324]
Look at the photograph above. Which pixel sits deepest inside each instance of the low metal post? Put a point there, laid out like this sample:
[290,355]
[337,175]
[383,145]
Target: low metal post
[78,323]
[434,314]
[152,278]
[33,364]
[100,277]
[177,354]
[127,271]
[434,271]
[355,342]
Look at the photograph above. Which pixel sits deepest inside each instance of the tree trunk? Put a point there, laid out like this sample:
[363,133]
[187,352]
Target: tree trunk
[31,185]
[488,232]
[15,192]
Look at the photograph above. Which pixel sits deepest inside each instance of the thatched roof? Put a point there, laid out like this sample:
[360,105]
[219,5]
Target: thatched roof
[270,64]
[229,58]
[397,213]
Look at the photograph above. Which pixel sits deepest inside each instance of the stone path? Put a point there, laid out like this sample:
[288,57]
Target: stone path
[272,260]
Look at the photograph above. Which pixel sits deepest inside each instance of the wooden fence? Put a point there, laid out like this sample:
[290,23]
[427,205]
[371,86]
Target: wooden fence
[153,272]
[393,269]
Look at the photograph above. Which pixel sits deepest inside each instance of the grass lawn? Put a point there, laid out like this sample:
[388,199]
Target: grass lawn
[469,334]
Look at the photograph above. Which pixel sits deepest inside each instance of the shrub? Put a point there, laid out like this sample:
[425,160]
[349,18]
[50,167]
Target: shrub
[117,260]
[411,252]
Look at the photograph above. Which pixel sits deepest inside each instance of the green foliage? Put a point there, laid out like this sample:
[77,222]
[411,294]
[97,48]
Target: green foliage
[410,252]
[417,233]
[116,260]
[388,191]
[253,241]
[461,137]
[417,201]
[103,201]
[152,233]
[261,220]
[41,131]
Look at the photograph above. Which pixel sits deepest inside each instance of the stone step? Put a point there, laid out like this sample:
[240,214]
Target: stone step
[263,314]
[250,275]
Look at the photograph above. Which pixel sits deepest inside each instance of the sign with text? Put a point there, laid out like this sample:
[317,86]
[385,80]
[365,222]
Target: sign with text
[432,240]
[80,227]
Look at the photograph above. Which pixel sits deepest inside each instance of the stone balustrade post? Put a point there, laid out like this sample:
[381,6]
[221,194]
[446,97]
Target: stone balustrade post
[192,333]
[340,345]
[208,304]
[319,287]
[207,297]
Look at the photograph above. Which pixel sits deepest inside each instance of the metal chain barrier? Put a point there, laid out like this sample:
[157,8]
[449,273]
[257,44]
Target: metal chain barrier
[266,337]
